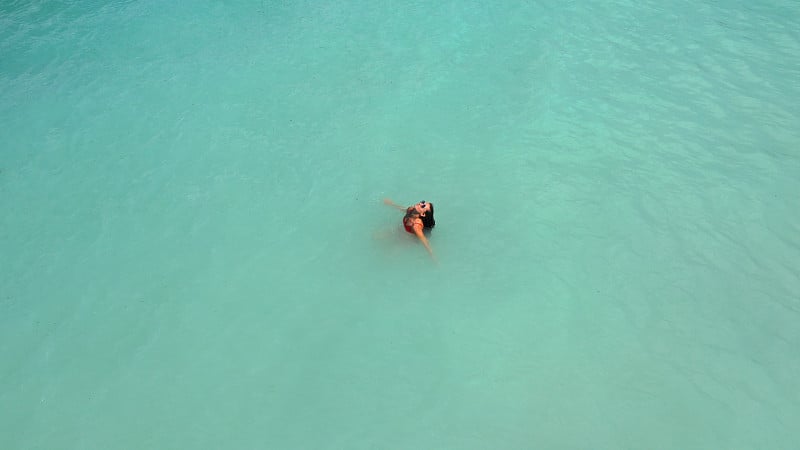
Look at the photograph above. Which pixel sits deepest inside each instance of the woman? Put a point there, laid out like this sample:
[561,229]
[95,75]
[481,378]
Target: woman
[417,218]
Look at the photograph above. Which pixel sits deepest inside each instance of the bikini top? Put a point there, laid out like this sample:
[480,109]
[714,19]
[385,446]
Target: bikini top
[410,217]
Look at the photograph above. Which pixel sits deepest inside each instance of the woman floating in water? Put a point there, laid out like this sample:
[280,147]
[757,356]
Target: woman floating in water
[417,218]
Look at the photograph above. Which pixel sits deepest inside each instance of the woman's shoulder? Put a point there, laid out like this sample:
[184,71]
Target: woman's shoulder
[412,219]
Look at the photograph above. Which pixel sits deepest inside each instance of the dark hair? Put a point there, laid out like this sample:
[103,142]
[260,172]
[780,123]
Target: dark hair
[427,219]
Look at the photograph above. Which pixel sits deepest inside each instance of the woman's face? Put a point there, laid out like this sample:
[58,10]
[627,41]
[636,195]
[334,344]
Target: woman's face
[422,207]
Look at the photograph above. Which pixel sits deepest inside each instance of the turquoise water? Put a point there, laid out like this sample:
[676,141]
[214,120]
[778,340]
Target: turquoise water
[194,252]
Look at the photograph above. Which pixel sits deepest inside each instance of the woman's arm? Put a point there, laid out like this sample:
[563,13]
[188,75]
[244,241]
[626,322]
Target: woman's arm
[418,231]
[389,202]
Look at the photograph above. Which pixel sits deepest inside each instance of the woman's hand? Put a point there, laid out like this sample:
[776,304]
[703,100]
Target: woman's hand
[389,202]
[418,231]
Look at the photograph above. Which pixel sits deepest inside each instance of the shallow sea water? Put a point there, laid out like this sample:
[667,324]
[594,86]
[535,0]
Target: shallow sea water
[194,252]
